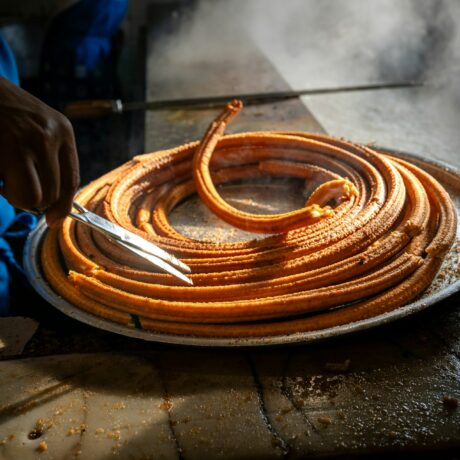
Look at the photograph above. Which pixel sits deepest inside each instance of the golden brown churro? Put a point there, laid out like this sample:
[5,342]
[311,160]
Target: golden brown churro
[371,237]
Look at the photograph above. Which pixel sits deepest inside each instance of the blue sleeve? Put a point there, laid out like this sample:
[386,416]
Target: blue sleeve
[12,224]
[8,68]
[82,33]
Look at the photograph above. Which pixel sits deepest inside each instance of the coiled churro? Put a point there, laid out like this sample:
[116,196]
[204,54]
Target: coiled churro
[371,237]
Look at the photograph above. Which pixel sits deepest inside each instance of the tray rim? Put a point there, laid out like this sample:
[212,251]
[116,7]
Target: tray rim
[34,275]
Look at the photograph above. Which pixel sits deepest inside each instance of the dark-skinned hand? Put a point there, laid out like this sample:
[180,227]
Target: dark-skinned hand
[38,157]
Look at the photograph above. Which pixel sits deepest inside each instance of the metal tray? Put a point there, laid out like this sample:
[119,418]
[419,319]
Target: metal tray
[192,219]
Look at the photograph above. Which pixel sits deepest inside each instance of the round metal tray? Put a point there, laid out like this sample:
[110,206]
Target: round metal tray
[445,284]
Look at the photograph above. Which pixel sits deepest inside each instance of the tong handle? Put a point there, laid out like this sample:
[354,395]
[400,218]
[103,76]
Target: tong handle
[96,222]
[93,108]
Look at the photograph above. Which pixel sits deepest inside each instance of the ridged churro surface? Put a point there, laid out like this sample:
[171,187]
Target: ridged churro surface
[370,238]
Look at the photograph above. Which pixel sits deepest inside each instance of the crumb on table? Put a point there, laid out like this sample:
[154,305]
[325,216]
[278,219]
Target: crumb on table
[42,447]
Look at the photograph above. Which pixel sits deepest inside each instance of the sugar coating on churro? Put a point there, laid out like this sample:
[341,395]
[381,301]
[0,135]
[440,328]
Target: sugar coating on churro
[371,237]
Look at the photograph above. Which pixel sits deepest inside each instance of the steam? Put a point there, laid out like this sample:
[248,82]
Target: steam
[338,43]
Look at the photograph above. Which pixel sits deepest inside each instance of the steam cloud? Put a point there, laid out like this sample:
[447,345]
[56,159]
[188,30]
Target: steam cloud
[335,42]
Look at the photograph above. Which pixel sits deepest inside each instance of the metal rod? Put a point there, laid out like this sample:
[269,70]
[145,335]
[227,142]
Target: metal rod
[102,107]
[253,98]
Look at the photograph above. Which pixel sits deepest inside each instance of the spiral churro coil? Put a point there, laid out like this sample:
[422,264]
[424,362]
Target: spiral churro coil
[370,238]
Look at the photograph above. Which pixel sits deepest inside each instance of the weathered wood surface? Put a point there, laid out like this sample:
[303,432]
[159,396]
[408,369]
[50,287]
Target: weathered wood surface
[388,390]
[375,392]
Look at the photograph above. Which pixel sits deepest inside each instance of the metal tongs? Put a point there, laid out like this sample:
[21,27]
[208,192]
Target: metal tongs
[132,242]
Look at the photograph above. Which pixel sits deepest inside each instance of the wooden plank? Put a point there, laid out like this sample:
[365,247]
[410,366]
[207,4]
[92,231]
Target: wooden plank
[364,394]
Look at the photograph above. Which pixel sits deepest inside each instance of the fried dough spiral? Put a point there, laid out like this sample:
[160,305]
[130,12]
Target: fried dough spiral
[371,237]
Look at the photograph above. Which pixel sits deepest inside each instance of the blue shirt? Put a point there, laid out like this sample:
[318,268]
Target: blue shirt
[21,222]
[8,68]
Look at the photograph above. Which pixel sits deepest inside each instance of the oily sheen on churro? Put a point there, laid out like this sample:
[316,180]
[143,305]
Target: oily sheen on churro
[371,237]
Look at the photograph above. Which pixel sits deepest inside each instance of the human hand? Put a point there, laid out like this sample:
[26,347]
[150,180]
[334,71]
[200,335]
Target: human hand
[38,156]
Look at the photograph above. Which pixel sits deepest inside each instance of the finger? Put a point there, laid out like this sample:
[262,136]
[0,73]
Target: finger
[50,177]
[69,181]
[22,186]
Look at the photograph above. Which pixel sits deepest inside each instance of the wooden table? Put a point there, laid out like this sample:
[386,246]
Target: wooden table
[76,392]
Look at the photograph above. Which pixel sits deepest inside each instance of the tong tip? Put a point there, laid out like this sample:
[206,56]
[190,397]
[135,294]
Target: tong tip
[186,279]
